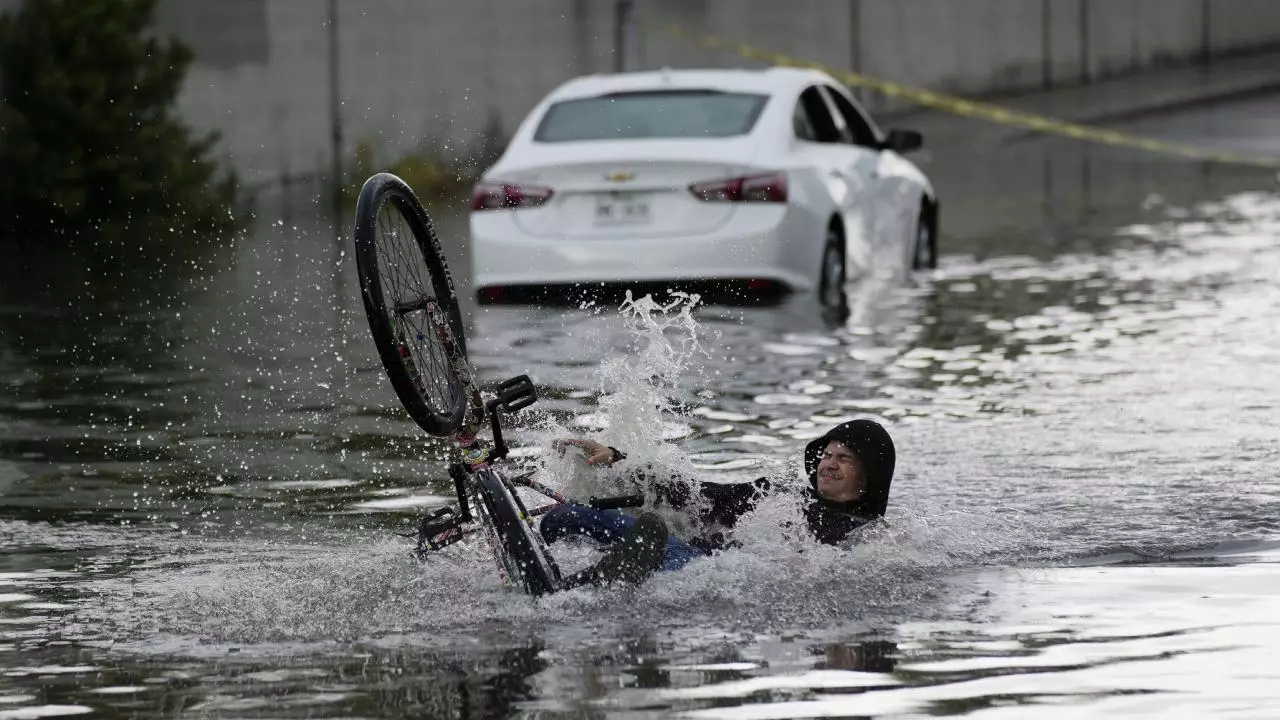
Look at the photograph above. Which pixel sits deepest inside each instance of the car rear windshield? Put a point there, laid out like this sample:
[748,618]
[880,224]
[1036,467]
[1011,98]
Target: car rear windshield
[651,114]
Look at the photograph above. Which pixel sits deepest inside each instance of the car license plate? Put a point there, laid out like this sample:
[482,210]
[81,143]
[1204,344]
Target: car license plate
[622,209]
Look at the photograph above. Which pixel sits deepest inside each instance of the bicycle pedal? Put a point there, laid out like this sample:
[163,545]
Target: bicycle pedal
[516,393]
[443,539]
[439,513]
[438,528]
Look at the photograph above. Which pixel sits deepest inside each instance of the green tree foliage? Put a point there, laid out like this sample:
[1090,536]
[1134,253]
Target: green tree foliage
[90,142]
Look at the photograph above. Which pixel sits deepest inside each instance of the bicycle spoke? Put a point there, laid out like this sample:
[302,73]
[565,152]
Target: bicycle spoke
[436,362]
[409,291]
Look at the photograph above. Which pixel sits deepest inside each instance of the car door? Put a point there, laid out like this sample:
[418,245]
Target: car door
[826,171]
[846,169]
[895,206]
[863,141]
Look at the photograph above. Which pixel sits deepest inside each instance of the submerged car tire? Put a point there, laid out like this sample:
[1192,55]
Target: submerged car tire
[831,277]
[925,254]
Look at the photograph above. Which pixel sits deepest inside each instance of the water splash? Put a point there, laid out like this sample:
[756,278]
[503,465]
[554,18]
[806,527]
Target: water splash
[637,411]
[637,390]
[942,519]
[641,392]
[266,597]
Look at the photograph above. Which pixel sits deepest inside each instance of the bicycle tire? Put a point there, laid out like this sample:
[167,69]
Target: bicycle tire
[411,305]
[525,559]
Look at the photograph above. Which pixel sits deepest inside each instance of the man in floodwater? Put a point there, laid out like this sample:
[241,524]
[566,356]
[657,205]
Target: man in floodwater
[849,468]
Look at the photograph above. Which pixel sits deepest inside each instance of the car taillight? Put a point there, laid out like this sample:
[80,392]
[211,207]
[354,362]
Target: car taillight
[498,196]
[752,188]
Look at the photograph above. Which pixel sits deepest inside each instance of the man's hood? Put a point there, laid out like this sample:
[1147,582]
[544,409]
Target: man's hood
[871,442]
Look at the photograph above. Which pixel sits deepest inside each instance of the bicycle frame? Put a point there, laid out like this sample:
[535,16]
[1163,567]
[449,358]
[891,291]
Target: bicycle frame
[416,326]
[460,475]
[446,526]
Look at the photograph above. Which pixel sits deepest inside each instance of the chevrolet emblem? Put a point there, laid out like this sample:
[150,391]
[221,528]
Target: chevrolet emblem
[620,176]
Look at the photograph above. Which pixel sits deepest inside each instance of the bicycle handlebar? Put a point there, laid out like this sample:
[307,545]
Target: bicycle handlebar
[613,503]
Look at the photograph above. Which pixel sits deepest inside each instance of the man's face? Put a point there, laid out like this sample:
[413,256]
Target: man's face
[840,475]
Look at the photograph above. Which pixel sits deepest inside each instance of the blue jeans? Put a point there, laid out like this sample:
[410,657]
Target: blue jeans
[605,526]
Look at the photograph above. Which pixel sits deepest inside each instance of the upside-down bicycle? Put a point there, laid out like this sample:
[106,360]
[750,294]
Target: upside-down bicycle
[416,325]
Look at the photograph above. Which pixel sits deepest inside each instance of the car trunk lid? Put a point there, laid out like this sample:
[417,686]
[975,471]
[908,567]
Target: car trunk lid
[640,190]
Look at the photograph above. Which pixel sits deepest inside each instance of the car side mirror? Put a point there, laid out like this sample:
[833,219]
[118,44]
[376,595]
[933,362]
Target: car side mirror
[903,141]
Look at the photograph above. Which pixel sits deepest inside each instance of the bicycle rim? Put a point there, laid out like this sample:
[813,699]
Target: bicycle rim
[411,305]
[526,561]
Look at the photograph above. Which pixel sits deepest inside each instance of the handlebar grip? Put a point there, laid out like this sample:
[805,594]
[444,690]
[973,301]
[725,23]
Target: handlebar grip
[613,503]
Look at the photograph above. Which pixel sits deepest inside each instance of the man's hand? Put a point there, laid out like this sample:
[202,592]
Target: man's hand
[596,453]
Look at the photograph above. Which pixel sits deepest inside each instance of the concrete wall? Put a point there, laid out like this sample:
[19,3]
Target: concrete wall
[433,76]
[413,75]
[973,47]
[1240,24]
[967,47]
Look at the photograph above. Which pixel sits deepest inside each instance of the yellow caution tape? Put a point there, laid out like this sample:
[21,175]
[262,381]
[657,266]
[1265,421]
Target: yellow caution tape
[981,110]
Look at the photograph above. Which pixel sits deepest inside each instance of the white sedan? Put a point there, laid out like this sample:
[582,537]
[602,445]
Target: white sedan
[751,181]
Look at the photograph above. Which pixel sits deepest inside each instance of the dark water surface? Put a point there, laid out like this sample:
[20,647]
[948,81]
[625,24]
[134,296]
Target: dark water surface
[202,471]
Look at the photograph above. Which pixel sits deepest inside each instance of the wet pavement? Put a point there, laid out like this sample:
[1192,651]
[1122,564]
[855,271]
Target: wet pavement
[202,472]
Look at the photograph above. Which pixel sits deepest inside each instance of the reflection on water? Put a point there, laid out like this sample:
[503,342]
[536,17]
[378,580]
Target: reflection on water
[1054,638]
[199,486]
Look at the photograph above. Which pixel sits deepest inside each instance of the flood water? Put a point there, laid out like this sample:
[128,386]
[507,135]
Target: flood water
[203,473]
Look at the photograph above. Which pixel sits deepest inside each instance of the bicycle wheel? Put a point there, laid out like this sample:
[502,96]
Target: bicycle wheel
[412,308]
[523,555]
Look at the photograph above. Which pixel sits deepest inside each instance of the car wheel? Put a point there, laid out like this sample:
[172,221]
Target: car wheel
[925,256]
[831,280]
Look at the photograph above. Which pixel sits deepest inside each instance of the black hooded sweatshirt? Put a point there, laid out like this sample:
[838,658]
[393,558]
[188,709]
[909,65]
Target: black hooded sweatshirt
[830,522]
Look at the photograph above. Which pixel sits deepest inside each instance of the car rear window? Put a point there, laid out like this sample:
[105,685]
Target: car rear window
[651,114]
